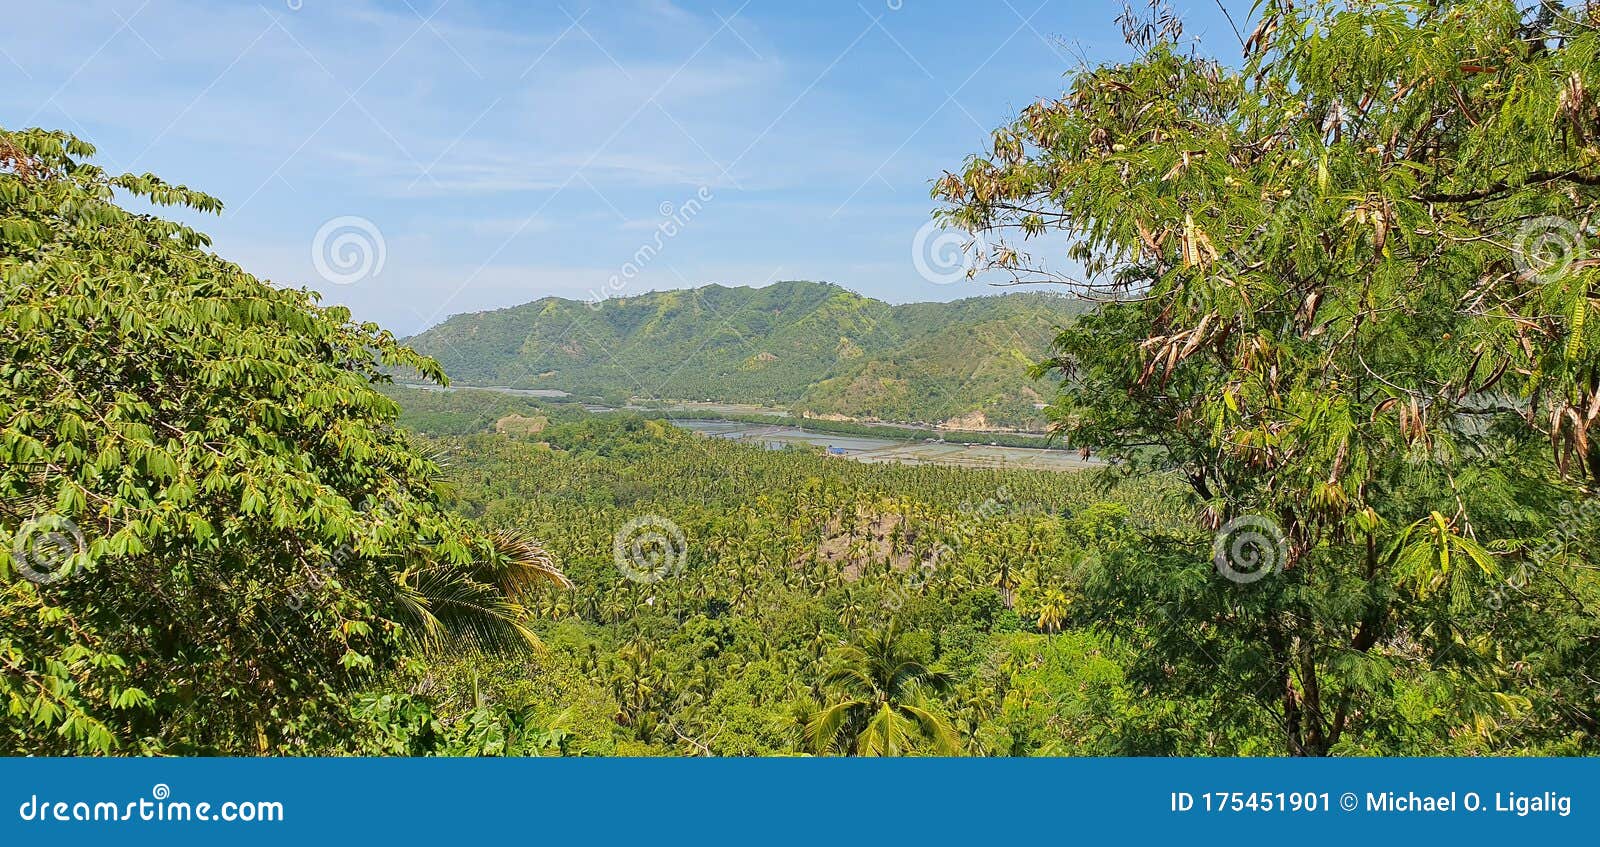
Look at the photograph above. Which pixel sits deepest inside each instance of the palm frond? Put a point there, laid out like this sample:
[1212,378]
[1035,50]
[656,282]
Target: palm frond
[933,725]
[524,564]
[482,605]
[822,731]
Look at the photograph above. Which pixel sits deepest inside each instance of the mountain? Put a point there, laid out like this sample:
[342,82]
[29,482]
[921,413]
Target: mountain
[814,347]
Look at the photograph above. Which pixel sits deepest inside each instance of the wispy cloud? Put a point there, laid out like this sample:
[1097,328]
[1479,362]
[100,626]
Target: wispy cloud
[507,150]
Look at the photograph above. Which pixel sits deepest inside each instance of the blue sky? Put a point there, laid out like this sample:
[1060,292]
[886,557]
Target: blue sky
[506,151]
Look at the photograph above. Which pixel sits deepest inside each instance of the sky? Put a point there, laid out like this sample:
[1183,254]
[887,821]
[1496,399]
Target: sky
[414,159]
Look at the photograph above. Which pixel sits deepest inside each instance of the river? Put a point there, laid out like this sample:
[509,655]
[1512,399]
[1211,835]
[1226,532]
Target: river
[872,450]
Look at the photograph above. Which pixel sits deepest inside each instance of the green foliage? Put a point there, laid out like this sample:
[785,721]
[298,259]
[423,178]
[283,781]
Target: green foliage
[486,705]
[399,725]
[211,531]
[1068,694]
[465,411]
[886,704]
[1346,288]
[812,346]
[1062,618]
[789,556]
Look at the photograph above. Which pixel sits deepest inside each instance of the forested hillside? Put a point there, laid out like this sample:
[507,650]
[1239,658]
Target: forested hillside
[812,346]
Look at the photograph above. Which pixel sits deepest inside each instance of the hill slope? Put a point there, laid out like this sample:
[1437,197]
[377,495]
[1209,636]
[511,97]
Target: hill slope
[811,346]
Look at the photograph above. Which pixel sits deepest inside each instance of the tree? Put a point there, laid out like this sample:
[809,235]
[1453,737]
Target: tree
[211,531]
[884,705]
[1346,293]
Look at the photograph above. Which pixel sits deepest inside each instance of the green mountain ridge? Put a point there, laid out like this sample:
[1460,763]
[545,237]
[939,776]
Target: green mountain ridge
[813,347]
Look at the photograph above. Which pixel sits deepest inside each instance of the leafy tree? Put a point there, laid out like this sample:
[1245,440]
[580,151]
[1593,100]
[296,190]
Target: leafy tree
[1347,288]
[401,725]
[211,531]
[884,705]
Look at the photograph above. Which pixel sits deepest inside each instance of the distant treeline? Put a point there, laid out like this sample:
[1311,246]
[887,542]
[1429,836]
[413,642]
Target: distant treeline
[893,433]
[465,411]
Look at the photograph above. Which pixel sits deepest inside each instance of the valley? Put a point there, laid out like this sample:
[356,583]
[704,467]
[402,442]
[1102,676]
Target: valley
[1306,464]
[435,410]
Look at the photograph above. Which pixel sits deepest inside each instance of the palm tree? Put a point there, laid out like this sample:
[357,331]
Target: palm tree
[484,605]
[883,705]
[1053,610]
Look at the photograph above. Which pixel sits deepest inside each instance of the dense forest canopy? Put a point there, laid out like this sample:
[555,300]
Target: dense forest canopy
[794,579]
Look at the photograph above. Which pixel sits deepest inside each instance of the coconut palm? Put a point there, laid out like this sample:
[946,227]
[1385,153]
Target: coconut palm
[883,702]
[484,605]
